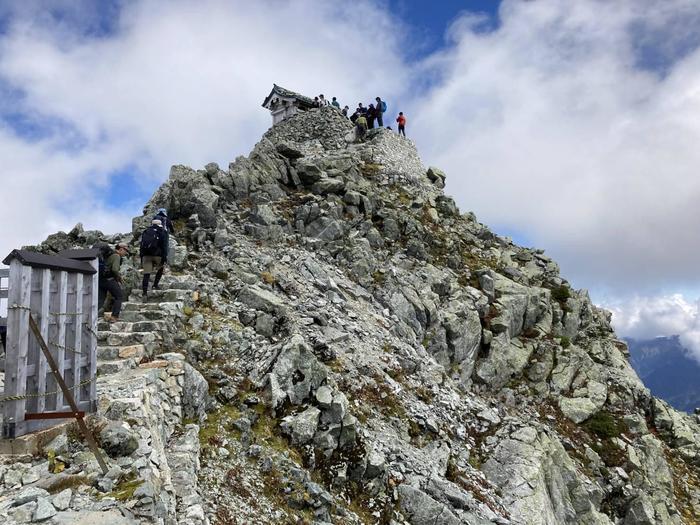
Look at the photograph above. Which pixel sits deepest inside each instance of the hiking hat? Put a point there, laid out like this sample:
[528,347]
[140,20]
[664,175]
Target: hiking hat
[124,246]
[157,222]
[162,211]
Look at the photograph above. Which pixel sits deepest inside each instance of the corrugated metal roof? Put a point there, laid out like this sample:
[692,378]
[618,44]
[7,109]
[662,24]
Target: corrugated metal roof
[52,262]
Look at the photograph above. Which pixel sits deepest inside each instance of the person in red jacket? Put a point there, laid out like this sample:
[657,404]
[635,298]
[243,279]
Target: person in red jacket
[402,123]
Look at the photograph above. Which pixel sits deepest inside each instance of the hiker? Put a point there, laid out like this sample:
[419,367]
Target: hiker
[317,102]
[110,279]
[345,111]
[371,115]
[402,123]
[168,228]
[162,216]
[381,108]
[323,101]
[153,250]
[361,108]
[361,126]
[335,103]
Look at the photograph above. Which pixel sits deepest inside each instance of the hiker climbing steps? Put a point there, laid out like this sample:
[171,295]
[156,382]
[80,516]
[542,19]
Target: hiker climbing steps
[138,336]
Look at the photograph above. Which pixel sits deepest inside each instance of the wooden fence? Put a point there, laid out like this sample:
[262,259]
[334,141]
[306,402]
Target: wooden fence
[61,295]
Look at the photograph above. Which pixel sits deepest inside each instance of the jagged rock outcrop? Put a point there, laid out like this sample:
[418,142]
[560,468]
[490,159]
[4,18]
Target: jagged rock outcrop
[373,355]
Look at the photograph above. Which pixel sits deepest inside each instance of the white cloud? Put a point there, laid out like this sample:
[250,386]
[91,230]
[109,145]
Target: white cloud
[173,82]
[550,125]
[546,125]
[663,315]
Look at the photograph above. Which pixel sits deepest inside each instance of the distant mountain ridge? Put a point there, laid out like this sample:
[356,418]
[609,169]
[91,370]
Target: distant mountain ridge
[668,370]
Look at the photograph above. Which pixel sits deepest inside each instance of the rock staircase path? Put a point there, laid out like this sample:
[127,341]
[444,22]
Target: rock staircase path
[145,393]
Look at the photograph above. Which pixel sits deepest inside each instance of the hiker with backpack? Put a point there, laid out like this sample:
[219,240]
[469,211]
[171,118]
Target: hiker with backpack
[153,250]
[109,277]
[361,127]
[168,227]
[402,123]
[162,216]
[381,109]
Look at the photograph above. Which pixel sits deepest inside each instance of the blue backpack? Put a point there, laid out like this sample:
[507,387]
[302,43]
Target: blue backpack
[383,107]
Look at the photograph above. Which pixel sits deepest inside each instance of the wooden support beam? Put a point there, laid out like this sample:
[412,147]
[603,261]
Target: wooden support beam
[31,416]
[68,396]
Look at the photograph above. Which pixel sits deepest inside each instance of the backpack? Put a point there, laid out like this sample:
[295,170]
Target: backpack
[105,250]
[151,241]
[383,107]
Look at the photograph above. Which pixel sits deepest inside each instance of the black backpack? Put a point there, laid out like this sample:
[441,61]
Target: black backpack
[151,241]
[105,251]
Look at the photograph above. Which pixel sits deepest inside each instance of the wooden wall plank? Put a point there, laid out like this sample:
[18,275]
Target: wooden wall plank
[43,321]
[78,346]
[91,324]
[62,293]
[17,346]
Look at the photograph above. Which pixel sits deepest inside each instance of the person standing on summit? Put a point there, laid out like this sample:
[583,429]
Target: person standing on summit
[381,108]
[402,123]
[371,115]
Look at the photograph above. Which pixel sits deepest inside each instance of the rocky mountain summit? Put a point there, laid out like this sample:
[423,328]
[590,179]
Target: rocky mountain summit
[337,343]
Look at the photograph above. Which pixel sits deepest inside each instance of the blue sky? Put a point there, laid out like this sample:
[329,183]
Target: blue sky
[554,120]
[429,20]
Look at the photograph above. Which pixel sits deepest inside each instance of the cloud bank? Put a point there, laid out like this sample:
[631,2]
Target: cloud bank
[165,83]
[646,318]
[576,124]
[572,123]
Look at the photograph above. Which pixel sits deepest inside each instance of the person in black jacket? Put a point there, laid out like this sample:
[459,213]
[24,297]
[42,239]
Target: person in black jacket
[152,250]
[371,115]
[110,278]
[162,216]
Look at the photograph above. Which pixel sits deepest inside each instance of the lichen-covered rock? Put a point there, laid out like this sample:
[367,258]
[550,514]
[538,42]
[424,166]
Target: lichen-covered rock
[296,374]
[118,440]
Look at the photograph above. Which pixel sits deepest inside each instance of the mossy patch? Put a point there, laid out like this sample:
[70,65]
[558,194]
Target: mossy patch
[604,425]
[268,278]
[561,293]
[125,490]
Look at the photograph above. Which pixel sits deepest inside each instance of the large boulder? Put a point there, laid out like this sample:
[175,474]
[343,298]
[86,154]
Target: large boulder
[421,509]
[296,374]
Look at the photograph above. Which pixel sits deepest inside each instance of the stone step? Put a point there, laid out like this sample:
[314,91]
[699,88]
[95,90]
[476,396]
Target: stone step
[117,326]
[135,316]
[171,282]
[161,296]
[149,326]
[125,338]
[165,306]
[111,353]
[105,368]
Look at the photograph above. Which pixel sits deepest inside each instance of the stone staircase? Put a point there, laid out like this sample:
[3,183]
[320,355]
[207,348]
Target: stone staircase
[143,327]
[144,390]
